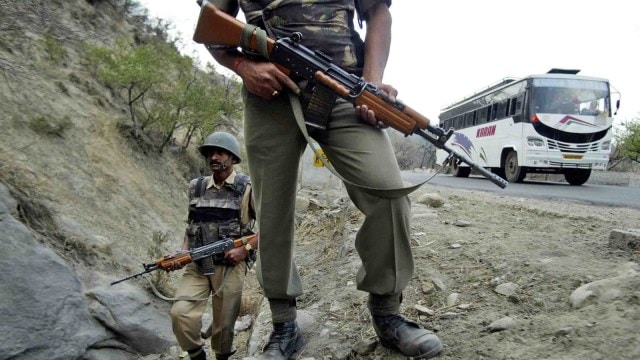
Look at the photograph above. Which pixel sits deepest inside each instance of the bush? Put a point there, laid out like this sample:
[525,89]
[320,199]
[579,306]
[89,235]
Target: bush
[54,48]
[50,127]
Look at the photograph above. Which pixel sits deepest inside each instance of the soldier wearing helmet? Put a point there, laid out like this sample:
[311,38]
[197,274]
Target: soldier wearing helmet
[275,114]
[220,206]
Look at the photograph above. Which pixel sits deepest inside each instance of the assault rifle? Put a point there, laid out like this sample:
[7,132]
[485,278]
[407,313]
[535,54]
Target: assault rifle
[218,29]
[177,260]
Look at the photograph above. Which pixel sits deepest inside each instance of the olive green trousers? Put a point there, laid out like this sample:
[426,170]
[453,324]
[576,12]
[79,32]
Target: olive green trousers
[186,316]
[362,154]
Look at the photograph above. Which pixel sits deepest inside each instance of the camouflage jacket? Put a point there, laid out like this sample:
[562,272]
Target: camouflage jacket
[326,25]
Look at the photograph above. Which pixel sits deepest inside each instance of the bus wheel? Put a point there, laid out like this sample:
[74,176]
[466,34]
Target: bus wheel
[498,171]
[577,176]
[512,172]
[460,171]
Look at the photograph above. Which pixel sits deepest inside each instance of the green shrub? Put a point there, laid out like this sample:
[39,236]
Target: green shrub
[159,278]
[54,48]
[51,126]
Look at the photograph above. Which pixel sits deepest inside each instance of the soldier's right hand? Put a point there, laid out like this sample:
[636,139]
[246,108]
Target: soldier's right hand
[264,79]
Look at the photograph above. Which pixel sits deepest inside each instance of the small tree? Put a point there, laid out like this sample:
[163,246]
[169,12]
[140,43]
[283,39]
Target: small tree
[166,92]
[134,70]
[628,140]
[408,153]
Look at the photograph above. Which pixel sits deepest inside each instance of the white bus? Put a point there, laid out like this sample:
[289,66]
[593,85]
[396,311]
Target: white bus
[556,122]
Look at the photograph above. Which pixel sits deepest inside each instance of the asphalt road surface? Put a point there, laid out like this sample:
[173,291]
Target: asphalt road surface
[608,195]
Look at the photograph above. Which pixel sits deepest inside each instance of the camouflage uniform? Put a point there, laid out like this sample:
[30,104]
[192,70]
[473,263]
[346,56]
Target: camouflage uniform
[226,214]
[359,152]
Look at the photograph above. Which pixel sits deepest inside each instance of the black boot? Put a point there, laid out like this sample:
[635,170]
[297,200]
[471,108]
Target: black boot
[197,354]
[225,356]
[409,338]
[285,340]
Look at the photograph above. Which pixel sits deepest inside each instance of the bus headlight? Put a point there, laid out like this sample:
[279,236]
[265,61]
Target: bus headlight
[606,145]
[535,142]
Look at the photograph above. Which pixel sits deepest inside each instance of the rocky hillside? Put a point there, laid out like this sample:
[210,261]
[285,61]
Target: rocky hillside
[80,204]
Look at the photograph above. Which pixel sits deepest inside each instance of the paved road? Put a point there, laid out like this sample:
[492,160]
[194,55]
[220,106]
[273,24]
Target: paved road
[609,195]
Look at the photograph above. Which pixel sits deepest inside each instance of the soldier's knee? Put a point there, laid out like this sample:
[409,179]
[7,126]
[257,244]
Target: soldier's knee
[180,311]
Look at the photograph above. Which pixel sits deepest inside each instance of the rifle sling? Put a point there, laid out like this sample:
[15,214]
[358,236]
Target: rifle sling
[261,39]
[383,193]
[186,298]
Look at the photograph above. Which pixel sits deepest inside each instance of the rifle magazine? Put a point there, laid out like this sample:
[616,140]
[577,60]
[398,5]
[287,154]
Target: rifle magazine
[318,101]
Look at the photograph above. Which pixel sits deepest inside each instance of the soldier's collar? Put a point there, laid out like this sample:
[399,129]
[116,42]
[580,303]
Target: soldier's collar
[228,181]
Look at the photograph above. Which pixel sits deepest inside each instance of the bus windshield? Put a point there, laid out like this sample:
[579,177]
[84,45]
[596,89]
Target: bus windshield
[570,97]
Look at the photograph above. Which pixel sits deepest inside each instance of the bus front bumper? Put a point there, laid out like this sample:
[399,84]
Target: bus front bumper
[559,160]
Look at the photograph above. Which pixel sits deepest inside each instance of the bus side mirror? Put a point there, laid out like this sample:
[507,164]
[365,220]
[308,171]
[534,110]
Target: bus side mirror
[617,107]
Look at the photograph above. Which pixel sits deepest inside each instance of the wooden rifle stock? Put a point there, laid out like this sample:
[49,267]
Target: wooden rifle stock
[215,27]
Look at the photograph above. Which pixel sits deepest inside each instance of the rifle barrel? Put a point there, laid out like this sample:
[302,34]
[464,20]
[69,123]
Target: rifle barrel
[147,270]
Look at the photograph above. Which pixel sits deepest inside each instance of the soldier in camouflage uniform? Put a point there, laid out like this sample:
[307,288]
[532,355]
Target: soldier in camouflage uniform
[220,206]
[354,144]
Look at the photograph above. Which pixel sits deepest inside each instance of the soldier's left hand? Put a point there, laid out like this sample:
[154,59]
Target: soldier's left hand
[237,255]
[369,115]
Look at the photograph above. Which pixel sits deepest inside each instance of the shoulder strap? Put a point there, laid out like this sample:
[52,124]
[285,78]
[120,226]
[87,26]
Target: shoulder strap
[239,184]
[201,187]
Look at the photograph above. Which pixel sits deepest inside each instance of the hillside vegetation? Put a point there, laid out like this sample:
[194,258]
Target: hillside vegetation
[96,150]
[74,138]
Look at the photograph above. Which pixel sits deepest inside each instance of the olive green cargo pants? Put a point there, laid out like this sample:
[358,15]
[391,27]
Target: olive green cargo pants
[186,316]
[363,155]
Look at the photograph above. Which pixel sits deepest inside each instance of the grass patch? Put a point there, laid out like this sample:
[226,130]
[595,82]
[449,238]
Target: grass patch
[50,126]
[54,48]
[155,250]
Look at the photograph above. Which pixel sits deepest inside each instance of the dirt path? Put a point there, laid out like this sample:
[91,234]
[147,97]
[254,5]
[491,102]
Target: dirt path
[495,274]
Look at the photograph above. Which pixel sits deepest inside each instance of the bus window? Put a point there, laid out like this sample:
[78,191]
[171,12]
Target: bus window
[502,109]
[482,115]
[457,122]
[468,119]
[494,111]
[515,106]
[519,104]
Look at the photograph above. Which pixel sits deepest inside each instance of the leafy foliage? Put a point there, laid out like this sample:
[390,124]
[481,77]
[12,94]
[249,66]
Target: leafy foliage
[412,152]
[159,279]
[166,92]
[50,126]
[628,140]
[54,48]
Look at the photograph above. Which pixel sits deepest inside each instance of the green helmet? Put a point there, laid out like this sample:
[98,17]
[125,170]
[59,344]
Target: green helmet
[222,140]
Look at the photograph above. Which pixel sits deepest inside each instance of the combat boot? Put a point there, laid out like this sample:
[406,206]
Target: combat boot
[225,356]
[285,341]
[397,333]
[197,354]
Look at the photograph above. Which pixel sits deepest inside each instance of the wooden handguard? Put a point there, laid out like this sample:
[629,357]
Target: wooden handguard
[169,262]
[407,120]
